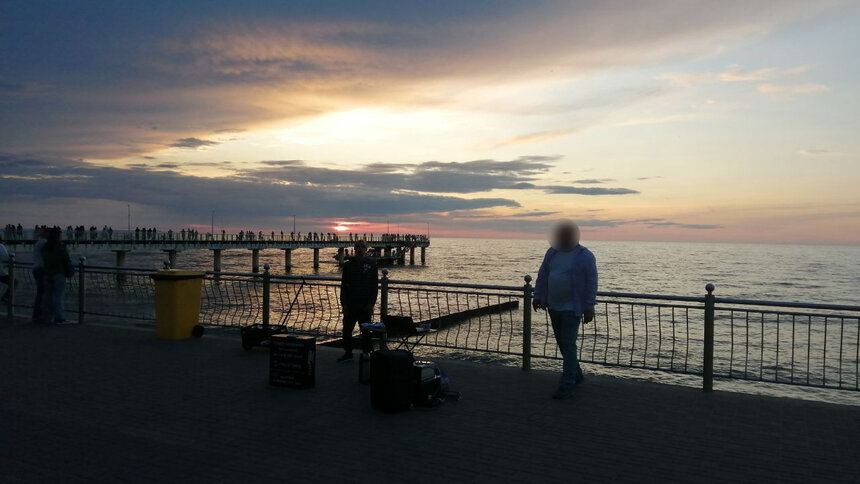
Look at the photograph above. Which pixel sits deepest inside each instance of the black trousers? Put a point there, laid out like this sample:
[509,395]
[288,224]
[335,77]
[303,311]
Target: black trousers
[352,316]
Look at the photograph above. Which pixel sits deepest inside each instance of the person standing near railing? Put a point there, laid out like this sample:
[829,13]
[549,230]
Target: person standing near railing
[4,270]
[58,267]
[566,286]
[39,273]
[359,287]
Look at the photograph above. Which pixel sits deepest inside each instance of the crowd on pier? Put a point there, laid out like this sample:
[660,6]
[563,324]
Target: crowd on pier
[81,233]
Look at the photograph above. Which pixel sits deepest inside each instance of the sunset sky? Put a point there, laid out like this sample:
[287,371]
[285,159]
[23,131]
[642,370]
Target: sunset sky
[643,120]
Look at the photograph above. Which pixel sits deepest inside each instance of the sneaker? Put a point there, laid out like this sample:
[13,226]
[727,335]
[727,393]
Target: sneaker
[345,357]
[579,376]
[562,394]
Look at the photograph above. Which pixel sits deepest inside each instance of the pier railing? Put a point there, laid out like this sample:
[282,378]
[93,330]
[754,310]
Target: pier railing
[816,345]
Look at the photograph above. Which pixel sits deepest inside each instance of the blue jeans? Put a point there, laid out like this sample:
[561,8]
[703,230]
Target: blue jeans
[565,326]
[52,299]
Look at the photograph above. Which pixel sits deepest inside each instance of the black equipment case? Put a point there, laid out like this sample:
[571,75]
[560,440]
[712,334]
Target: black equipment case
[392,380]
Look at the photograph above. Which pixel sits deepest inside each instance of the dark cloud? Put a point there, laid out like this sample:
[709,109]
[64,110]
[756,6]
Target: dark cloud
[148,157]
[533,214]
[566,190]
[168,165]
[431,176]
[192,143]
[593,181]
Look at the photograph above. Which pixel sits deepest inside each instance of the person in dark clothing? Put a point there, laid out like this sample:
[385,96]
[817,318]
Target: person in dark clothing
[57,268]
[359,287]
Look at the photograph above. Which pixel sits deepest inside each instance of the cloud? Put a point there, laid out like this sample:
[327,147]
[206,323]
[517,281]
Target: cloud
[656,223]
[192,143]
[593,181]
[229,67]
[594,191]
[733,73]
[430,177]
[817,152]
[535,137]
[183,196]
[793,88]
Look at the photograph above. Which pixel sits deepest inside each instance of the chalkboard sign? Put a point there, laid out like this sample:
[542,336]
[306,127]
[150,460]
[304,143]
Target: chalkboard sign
[292,361]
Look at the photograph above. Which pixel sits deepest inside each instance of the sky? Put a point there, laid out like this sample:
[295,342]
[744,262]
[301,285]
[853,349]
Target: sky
[667,120]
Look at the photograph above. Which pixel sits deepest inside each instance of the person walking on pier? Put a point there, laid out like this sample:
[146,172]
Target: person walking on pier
[566,286]
[58,267]
[359,288]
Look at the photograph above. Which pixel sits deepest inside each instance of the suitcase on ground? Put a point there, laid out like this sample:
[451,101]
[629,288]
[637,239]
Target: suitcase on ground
[392,380]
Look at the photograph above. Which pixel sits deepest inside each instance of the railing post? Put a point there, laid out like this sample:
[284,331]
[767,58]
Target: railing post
[527,323]
[10,310]
[82,290]
[383,297]
[266,292]
[708,364]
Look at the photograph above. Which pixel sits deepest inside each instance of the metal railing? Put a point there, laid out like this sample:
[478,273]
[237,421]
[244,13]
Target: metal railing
[815,345]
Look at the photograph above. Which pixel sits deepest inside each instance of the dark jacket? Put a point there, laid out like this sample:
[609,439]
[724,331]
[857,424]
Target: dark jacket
[57,261]
[359,284]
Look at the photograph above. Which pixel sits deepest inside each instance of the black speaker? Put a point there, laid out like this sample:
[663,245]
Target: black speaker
[392,380]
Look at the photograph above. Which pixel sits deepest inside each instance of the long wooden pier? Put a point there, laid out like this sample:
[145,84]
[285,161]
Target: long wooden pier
[387,245]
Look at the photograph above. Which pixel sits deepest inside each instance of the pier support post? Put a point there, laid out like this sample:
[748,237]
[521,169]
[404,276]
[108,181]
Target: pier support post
[708,363]
[171,258]
[316,258]
[423,257]
[120,262]
[288,260]
[412,256]
[340,256]
[255,260]
[401,257]
[527,323]
[216,264]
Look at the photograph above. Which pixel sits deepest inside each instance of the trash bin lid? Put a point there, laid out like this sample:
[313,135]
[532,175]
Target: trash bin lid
[176,275]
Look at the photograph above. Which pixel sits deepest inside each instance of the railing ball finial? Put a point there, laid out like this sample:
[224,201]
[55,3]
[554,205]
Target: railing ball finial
[266,267]
[527,278]
[710,288]
[166,264]
[82,259]
[385,272]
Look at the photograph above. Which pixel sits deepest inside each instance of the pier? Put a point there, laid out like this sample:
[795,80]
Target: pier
[392,247]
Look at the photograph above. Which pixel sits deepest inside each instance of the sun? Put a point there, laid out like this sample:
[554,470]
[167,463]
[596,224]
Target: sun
[340,228]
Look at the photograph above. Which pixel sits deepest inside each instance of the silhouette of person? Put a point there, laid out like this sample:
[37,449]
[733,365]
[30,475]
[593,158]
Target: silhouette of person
[359,288]
[58,267]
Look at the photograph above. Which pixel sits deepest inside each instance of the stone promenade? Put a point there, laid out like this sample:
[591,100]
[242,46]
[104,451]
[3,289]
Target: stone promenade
[111,404]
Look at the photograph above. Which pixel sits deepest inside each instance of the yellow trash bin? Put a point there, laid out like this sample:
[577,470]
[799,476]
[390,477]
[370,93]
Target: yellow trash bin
[177,303]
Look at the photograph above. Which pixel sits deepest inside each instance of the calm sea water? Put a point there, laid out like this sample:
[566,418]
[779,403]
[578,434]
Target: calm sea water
[807,273]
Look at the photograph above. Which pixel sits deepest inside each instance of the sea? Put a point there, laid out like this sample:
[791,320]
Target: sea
[781,272]
[776,272]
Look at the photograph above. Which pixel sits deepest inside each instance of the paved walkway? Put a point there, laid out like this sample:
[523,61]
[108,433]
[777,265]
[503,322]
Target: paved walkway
[106,404]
